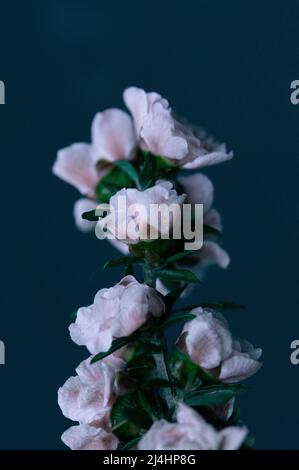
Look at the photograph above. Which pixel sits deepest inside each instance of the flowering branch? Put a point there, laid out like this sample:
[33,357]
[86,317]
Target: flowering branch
[140,388]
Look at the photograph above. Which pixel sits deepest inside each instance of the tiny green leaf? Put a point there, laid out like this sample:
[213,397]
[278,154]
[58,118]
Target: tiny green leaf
[178,256]
[175,319]
[214,395]
[90,215]
[176,275]
[131,444]
[130,171]
[117,344]
[148,172]
[128,417]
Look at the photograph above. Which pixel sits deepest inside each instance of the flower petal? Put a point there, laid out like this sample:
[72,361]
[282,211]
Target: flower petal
[200,190]
[112,136]
[237,368]
[81,206]
[74,165]
[84,437]
[208,159]
[233,437]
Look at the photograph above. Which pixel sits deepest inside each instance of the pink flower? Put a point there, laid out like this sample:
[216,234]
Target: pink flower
[83,165]
[191,432]
[158,131]
[74,165]
[116,312]
[131,219]
[85,437]
[209,343]
[200,190]
[88,396]
[112,136]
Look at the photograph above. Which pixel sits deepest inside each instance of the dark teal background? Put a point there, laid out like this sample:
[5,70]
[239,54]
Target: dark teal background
[225,65]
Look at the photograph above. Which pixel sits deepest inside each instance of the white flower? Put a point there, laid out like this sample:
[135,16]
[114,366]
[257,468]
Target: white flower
[209,343]
[131,219]
[74,165]
[85,437]
[88,396]
[116,312]
[158,131]
[83,165]
[191,432]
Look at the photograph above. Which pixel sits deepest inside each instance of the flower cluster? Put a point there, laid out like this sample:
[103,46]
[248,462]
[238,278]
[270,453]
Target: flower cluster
[141,388]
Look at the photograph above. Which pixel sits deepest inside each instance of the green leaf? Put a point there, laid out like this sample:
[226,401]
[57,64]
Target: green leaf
[213,395]
[73,315]
[155,382]
[130,171]
[209,399]
[139,367]
[90,215]
[183,368]
[116,344]
[173,295]
[164,163]
[175,319]
[129,270]
[122,261]
[128,418]
[178,256]
[176,275]
[131,444]
[148,173]
[165,247]
[115,180]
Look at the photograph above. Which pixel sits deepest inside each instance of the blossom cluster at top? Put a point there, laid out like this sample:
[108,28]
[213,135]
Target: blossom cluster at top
[135,390]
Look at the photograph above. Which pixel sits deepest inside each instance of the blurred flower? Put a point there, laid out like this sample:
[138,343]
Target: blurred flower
[81,206]
[83,165]
[209,343]
[131,219]
[158,131]
[116,312]
[112,136]
[88,397]
[74,165]
[85,437]
[191,432]
[200,190]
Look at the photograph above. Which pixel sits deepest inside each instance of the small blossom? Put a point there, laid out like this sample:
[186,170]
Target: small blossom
[158,131]
[112,136]
[116,312]
[88,396]
[191,432]
[200,190]
[85,437]
[209,343]
[131,219]
[74,165]
[83,165]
